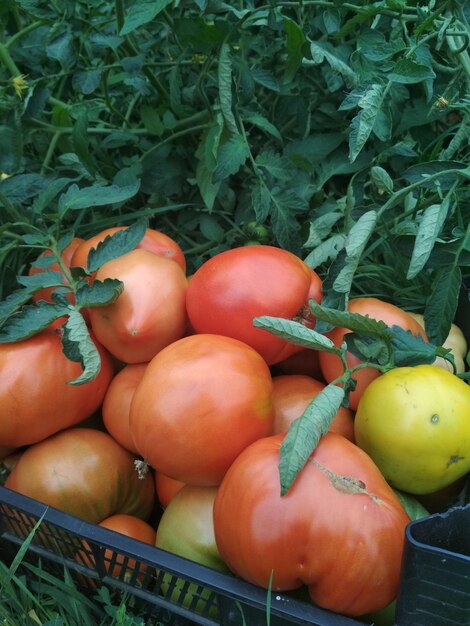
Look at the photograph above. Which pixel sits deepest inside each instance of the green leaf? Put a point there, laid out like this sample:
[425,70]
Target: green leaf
[321,51]
[408,72]
[13,302]
[263,124]
[412,506]
[410,350]
[260,200]
[381,179]
[95,195]
[45,198]
[152,120]
[30,320]
[295,42]
[305,432]
[363,123]
[353,321]
[11,141]
[142,12]
[265,78]
[441,305]
[99,293]
[114,246]
[48,278]
[206,154]
[367,348]
[78,346]
[275,164]
[354,246]
[224,74]
[432,221]
[295,333]
[326,251]
[232,155]
[81,143]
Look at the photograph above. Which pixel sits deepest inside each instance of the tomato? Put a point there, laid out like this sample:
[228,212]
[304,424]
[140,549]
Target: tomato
[117,403]
[292,393]
[306,362]
[414,423]
[130,526]
[45,294]
[35,396]
[83,472]
[237,285]
[376,309]
[201,401]
[149,314]
[154,241]
[339,529]
[166,488]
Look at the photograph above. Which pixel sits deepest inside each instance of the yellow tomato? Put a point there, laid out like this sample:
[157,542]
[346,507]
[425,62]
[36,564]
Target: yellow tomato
[415,424]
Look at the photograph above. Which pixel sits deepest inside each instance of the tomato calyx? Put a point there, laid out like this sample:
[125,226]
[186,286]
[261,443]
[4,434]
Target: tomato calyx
[304,316]
[142,468]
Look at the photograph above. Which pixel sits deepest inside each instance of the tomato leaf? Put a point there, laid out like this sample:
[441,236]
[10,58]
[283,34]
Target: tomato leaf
[305,432]
[49,278]
[114,246]
[95,195]
[100,293]
[429,228]
[361,126]
[352,321]
[78,346]
[13,302]
[368,348]
[441,305]
[410,350]
[30,320]
[295,332]
[412,506]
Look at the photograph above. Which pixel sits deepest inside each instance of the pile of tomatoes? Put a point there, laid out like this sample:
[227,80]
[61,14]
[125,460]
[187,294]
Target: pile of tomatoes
[202,399]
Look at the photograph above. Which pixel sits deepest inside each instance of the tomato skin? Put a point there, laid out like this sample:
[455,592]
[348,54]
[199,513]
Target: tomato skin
[292,393]
[414,423]
[117,404]
[166,488]
[67,254]
[35,398]
[149,314]
[201,401]
[83,472]
[237,285]
[305,362]
[154,241]
[346,547]
[331,365]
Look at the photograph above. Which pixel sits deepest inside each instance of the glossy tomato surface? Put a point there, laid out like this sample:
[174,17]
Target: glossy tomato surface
[154,241]
[35,396]
[201,401]
[232,288]
[339,530]
[292,394]
[149,314]
[166,488]
[415,423]
[376,309]
[117,403]
[83,472]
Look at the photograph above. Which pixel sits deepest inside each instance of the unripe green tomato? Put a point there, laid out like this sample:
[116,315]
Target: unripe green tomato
[415,424]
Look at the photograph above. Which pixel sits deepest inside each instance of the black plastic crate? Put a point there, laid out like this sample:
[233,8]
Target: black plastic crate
[435,584]
[161,587]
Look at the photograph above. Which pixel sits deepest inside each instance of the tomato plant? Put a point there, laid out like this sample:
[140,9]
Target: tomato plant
[149,314]
[339,530]
[35,396]
[292,394]
[201,400]
[117,403]
[376,309]
[84,472]
[413,422]
[235,286]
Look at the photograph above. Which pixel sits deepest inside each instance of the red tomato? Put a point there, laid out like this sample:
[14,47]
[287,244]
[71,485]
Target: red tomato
[166,488]
[127,525]
[339,530]
[45,294]
[149,314]
[117,404]
[84,472]
[378,310]
[292,393]
[306,362]
[201,401]
[154,241]
[35,398]
[235,286]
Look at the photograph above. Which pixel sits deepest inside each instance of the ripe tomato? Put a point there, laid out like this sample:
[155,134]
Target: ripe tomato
[166,488]
[339,530]
[45,294]
[83,472]
[130,526]
[292,393]
[414,423]
[35,398]
[154,241]
[306,362]
[149,314]
[331,365]
[201,401]
[235,286]
[117,403]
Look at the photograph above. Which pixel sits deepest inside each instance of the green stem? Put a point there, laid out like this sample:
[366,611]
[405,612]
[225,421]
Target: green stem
[23,31]
[170,138]
[5,57]
[50,151]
